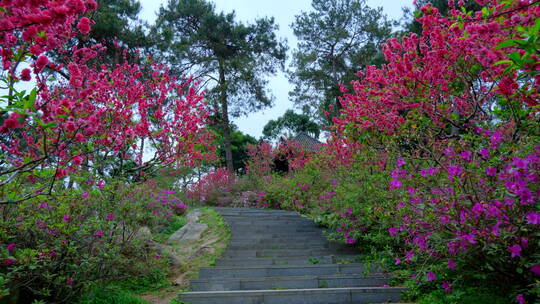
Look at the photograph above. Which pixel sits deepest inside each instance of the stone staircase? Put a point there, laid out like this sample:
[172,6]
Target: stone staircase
[279,257]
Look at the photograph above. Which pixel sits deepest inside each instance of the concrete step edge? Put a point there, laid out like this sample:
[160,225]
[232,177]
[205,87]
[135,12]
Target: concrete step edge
[288,291]
[291,278]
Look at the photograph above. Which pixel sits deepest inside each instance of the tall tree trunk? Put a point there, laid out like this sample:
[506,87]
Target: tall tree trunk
[226,126]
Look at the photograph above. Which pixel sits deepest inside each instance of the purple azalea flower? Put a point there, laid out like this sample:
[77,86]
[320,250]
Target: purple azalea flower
[536,270]
[110,217]
[515,250]
[533,218]
[431,276]
[85,194]
[99,234]
[491,171]
[451,264]
[520,299]
[67,218]
[447,286]
[455,170]
[519,163]
[395,184]
[496,138]
[392,231]
[400,162]
[466,155]
[484,153]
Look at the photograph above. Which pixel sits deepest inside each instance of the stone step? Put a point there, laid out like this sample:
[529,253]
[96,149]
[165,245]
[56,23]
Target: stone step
[248,212]
[356,295]
[262,217]
[275,246]
[270,242]
[272,234]
[266,230]
[278,271]
[283,253]
[301,260]
[277,239]
[271,224]
[290,282]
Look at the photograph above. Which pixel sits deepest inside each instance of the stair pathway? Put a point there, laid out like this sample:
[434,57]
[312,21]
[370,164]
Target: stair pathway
[279,257]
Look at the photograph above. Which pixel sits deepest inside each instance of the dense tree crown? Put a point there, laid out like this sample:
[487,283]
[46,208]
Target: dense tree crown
[291,123]
[336,39]
[230,58]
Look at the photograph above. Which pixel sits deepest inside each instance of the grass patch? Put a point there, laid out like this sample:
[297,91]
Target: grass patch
[216,237]
[201,253]
[468,296]
[155,280]
[111,295]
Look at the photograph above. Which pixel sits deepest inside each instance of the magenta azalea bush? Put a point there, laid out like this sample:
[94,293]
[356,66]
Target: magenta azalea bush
[433,167]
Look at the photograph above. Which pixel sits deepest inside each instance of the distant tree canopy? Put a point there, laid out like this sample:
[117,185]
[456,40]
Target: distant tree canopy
[291,123]
[239,142]
[336,39]
[117,22]
[411,25]
[230,58]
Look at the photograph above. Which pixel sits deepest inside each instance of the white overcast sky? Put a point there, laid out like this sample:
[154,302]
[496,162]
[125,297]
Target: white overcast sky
[284,12]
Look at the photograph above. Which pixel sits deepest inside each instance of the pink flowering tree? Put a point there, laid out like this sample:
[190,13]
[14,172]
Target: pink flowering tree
[456,108]
[65,223]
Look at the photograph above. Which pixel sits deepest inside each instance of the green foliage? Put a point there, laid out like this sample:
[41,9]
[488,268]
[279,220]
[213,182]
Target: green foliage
[411,25]
[239,143]
[291,123]
[462,296]
[70,243]
[154,279]
[118,20]
[336,39]
[111,295]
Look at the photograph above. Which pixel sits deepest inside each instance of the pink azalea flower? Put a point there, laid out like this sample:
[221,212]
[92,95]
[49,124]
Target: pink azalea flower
[520,299]
[99,234]
[11,247]
[84,25]
[8,262]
